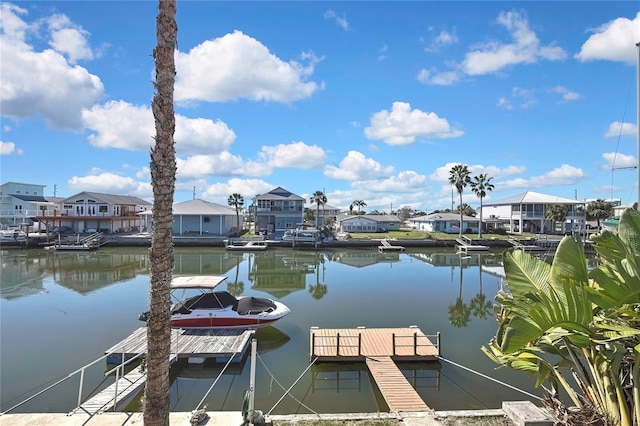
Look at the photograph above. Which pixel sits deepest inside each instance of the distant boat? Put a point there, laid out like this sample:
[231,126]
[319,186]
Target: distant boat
[12,237]
[250,245]
[301,234]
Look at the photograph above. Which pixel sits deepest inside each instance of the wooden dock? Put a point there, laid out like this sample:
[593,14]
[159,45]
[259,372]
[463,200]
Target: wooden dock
[387,246]
[195,344]
[192,343]
[379,348]
[466,245]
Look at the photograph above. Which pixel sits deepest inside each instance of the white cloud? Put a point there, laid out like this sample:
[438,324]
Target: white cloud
[38,83]
[521,98]
[614,41]
[403,182]
[118,124]
[618,128]
[294,155]
[402,125]
[8,148]
[355,166]
[494,56]
[341,21]
[613,161]
[222,164]
[442,40]
[441,174]
[237,66]
[567,95]
[525,49]
[248,188]
[445,78]
[69,39]
[111,183]
[563,175]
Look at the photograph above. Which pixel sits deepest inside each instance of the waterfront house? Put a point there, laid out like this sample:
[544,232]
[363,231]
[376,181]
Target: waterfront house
[526,212]
[278,210]
[328,214]
[368,223]
[200,217]
[94,211]
[448,223]
[21,202]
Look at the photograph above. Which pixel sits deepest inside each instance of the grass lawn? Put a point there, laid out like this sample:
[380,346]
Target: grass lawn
[412,234]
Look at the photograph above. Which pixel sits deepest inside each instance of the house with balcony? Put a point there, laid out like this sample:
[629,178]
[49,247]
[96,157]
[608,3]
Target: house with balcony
[327,215]
[21,202]
[526,212]
[277,211]
[94,211]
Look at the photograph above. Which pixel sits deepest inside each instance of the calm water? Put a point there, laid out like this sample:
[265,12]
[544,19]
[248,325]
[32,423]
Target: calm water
[60,311]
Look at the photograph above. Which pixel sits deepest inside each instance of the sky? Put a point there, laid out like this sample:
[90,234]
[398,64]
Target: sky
[372,101]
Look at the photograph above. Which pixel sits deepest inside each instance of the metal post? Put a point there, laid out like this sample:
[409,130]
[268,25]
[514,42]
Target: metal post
[80,389]
[252,376]
[415,343]
[337,344]
[438,340]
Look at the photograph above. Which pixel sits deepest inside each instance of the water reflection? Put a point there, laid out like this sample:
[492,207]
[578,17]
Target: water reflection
[438,290]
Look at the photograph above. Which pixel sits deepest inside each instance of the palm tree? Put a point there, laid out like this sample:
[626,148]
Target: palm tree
[163,176]
[599,209]
[359,204]
[555,213]
[459,177]
[319,198]
[480,185]
[237,201]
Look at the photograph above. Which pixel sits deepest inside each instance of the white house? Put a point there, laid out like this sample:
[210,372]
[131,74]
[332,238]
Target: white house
[198,217]
[526,212]
[368,223]
[20,202]
[94,211]
[448,223]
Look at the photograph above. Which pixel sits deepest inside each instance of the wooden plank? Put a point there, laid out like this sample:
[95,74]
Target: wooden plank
[395,388]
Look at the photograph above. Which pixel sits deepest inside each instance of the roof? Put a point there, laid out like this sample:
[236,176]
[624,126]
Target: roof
[433,217]
[202,207]
[279,193]
[113,198]
[198,281]
[530,197]
[31,198]
[373,217]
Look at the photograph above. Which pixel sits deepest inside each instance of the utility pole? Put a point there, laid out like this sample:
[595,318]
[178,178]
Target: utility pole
[194,192]
[55,189]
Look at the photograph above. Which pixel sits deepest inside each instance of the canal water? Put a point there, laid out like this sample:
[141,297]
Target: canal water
[61,311]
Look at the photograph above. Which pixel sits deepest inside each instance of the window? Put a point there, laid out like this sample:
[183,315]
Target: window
[103,209]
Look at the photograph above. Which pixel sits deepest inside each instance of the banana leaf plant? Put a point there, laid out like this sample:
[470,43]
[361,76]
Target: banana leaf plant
[574,329]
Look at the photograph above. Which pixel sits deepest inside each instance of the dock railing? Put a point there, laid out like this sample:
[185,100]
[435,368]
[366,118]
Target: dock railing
[414,343]
[326,342]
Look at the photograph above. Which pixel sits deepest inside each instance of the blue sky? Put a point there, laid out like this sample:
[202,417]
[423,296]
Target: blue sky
[371,101]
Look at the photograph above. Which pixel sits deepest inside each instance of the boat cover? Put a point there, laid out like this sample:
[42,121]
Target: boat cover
[254,305]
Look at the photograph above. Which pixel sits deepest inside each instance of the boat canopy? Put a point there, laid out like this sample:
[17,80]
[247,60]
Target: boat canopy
[198,281]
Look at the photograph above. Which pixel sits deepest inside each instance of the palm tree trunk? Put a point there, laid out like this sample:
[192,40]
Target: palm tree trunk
[163,174]
[460,214]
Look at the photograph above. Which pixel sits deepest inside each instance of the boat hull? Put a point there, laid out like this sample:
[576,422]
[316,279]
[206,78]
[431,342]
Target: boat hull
[227,318]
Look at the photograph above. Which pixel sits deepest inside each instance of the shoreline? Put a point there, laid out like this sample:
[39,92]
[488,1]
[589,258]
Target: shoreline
[144,240]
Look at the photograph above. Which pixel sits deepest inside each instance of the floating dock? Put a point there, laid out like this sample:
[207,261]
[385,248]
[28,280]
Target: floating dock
[379,348]
[197,345]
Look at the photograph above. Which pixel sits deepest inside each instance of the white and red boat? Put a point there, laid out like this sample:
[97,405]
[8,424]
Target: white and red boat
[219,309]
